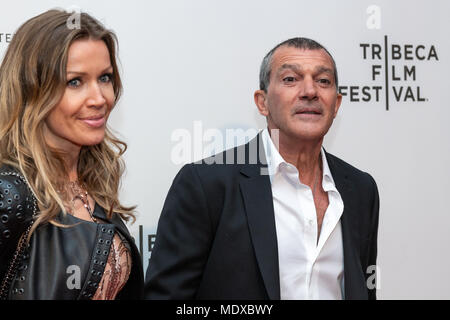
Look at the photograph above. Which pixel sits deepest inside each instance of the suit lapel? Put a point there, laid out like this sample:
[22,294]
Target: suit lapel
[257,195]
[353,278]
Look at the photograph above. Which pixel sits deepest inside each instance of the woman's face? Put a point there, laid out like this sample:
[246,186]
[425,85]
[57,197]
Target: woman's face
[80,117]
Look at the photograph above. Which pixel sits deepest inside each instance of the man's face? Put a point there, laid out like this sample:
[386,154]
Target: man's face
[301,100]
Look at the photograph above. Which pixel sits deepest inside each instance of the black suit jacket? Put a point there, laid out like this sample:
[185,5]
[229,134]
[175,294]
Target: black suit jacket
[216,236]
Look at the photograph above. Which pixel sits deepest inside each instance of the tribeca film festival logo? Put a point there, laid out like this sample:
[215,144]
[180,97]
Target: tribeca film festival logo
[5,37]
[394,68]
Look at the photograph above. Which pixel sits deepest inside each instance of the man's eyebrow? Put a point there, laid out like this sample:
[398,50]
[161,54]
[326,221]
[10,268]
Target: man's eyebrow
[294,67]
[323,69]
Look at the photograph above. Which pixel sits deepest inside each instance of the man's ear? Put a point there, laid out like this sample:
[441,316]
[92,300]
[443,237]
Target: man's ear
[338,104]
[260,101]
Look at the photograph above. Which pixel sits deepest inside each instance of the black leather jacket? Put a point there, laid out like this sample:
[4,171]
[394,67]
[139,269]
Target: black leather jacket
[59,263]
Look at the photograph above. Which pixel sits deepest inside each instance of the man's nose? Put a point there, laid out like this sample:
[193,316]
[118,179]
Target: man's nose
[308,89]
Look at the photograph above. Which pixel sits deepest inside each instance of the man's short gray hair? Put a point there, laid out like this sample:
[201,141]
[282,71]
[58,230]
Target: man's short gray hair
[299,43]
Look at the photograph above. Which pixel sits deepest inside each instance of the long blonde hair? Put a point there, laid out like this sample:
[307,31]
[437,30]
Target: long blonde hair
[32,82]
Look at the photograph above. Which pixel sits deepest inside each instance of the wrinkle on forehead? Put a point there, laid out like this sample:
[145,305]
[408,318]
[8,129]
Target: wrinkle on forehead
[297,68]
[297,59]
[286,52]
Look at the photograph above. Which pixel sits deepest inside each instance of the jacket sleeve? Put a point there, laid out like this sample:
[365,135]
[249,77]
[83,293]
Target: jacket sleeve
[183,240]
[16,213]
[372,254]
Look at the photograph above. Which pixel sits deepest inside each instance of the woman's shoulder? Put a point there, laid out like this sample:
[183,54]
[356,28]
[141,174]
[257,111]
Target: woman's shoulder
[15,195]
[12,182]
[7,169]
[10,176]
[16,208]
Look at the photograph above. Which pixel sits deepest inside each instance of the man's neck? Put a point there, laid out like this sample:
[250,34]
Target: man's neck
[304,155]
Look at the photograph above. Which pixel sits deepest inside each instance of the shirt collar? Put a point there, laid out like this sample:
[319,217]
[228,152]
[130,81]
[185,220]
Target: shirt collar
[274,160]
[273,157]
[327,178]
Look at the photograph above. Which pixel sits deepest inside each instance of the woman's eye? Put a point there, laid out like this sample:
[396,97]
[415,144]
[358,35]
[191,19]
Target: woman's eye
[106,77]
[74,83]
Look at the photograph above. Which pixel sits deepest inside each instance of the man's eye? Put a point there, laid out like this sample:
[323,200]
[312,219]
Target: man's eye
[324,81]
[289,79]
[74,83]
[107,77]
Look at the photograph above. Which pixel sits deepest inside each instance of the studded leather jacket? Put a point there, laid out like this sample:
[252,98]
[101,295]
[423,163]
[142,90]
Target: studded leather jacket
[59,262]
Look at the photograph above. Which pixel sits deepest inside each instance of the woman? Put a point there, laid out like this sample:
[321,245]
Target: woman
[62,234]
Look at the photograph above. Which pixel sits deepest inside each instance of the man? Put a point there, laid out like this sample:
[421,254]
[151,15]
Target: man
[297,223]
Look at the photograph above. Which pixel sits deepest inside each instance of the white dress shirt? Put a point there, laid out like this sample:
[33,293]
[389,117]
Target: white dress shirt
[308,269]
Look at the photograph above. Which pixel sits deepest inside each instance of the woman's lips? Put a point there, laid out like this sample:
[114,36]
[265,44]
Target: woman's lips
[95,122]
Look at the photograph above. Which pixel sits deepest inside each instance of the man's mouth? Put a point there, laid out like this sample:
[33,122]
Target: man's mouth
[309,111]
